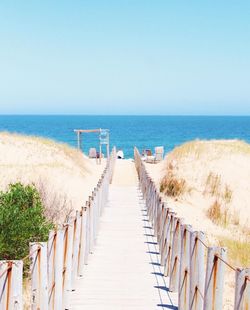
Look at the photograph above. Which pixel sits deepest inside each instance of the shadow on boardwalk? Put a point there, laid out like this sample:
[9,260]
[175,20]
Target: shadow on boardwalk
[161,283]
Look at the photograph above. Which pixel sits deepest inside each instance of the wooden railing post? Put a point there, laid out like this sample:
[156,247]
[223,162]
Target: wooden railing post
[162,230]
[87,233]
[174,275]
[165,237]
[83,240]
[11,282]
[58,267]
[76,243]
[197,272]
[91,225]
[169,243]
[51,267]
[184,282]
[95,210]
[242,289]
[39,276]
[67,263]
[214,283]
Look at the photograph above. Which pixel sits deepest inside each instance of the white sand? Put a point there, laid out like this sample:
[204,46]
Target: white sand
[63,175]
[193,162]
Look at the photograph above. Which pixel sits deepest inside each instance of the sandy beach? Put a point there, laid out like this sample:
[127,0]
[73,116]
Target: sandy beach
[63,175]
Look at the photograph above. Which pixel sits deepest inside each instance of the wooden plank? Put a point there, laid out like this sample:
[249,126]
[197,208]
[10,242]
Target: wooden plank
[86,130]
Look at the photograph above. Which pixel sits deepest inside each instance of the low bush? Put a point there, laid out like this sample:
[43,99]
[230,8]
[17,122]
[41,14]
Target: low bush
[22,220]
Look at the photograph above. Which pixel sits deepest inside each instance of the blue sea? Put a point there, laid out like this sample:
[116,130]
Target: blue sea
[129,131]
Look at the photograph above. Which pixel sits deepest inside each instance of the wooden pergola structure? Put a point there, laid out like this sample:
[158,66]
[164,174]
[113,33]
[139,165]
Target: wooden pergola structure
[103,138]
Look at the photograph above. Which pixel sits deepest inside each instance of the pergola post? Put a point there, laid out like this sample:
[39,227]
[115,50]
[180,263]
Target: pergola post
[102,140]
[79,140]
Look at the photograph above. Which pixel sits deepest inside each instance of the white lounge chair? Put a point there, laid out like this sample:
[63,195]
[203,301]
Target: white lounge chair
[92,153]
[159,153]
[157,157]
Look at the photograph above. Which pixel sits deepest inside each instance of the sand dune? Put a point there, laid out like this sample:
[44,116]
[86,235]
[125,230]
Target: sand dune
[63,175]
[213,171]
[214,198]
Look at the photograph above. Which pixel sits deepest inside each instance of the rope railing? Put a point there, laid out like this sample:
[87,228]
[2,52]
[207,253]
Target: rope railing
[56,264]
[195,270]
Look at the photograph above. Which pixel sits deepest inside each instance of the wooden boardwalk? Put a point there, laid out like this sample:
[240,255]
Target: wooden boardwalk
[124,272]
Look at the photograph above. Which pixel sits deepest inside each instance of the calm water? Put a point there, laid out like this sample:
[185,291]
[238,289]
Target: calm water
[129,131]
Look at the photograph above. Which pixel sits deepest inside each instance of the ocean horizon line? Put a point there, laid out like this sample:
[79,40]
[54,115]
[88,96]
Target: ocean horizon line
[129,115]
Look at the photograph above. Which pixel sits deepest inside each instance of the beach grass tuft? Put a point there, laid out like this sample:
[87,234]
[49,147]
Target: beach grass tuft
[172,186]
[238,250]
[213,184]
[219,214]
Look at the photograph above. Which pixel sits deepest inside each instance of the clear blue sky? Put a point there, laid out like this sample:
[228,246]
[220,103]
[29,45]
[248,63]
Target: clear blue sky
[125,57]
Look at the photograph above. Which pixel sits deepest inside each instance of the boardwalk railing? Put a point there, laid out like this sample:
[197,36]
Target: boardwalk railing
[56,264]
[196,271]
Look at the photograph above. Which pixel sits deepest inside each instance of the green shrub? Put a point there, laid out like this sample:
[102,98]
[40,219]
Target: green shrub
[22,221]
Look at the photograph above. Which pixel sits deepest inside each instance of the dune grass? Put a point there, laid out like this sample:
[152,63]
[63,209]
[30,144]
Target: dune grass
[199,147]
[219,214]
[76,156]
[238,250]
[213,184]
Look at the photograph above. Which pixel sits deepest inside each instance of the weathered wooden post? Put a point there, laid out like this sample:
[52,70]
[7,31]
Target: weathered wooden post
[162,230]
[242,289]
[11,283]
[91,224]
[79,140]
[174,276]
[76,243]
[169,243]
[94,208]
[87,232]
[184,282]
[58,267]
[51,266]
[197,270]
[159,214]
[214,283]
[165,237]
[39,276]
[83,240]
[67,263]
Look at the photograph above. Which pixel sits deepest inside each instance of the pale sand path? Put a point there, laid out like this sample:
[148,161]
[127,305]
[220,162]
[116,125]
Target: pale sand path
[124,271]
